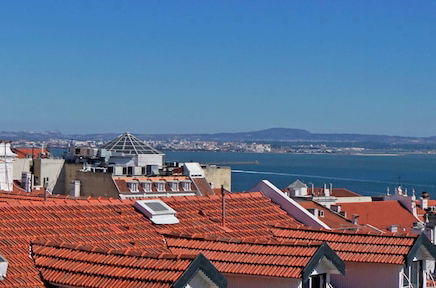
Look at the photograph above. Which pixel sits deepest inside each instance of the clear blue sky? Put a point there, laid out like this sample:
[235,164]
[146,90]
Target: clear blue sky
[213,66]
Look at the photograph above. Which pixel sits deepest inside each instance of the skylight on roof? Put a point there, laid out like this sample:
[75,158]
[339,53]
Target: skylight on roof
[128,144]
[157,211]
[3,267]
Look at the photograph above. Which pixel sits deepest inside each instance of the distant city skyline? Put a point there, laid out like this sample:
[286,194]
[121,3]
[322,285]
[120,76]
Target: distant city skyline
[212,66]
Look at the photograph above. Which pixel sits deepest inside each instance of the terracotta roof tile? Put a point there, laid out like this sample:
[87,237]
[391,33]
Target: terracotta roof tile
[84,267]
[381,214]
[332,219]
[270,258]
[354,247]
[337,192]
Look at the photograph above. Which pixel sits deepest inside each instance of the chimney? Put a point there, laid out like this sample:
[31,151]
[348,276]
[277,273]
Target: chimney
[75,188]
[424,204]
[326,191]
[424,200]
[355,219]
[393,228]
[26,181]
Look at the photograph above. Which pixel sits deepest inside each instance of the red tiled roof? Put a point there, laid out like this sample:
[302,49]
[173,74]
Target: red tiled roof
[28,152]
[203,186]
[337,192]
[94,222]
[85,266]
[354,247]
[116,225]
[333,220]
[247,215]
[273,258]
[381,214]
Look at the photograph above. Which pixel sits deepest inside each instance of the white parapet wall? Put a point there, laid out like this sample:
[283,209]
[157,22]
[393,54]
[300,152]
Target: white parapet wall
[7,158]
[288,204]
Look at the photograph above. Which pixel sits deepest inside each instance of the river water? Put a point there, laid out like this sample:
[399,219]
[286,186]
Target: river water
[367,175]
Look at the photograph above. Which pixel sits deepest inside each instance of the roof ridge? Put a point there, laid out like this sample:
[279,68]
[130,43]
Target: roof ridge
[231,240]
[135,252]
[357,233]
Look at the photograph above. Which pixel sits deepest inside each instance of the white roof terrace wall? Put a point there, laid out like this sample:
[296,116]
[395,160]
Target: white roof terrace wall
[150,159]
[288,204]
[193,170]
[6,166]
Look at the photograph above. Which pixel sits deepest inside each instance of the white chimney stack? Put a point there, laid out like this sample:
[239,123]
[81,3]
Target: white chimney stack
[75,188]
[26,181]
[326,191]
[6,166]
[355,219]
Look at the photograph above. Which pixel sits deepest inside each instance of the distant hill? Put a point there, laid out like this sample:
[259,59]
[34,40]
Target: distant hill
[267,135]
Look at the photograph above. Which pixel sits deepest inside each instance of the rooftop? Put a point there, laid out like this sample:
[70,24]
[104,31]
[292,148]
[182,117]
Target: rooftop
[354,247]
[381,214]
[101,232]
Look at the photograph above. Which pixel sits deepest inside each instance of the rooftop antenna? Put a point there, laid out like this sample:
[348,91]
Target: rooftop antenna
[223,207]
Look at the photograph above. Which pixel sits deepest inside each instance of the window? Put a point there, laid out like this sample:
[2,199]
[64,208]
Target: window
[318,281]
[321,213]
[416,274]
[130,170]
[187,186]
[160,187]
[413,275]
[133,186]
[146,186]
[174,186]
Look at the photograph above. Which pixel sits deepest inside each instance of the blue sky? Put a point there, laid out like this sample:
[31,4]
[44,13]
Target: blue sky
[214,66]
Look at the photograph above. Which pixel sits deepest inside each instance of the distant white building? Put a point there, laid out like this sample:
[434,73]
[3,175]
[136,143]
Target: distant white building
[297,189]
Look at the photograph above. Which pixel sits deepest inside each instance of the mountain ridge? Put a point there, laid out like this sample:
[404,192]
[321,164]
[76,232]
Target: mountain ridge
[264,135]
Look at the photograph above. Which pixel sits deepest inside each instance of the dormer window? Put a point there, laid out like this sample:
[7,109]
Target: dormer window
[160,186]
[174,185]
[133,187]
[187,186]
[146,186]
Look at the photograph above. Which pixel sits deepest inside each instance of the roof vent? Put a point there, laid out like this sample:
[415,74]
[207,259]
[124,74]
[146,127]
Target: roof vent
[3,267]
[157,211]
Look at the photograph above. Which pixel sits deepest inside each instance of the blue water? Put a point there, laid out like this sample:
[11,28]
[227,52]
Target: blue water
[367,175]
